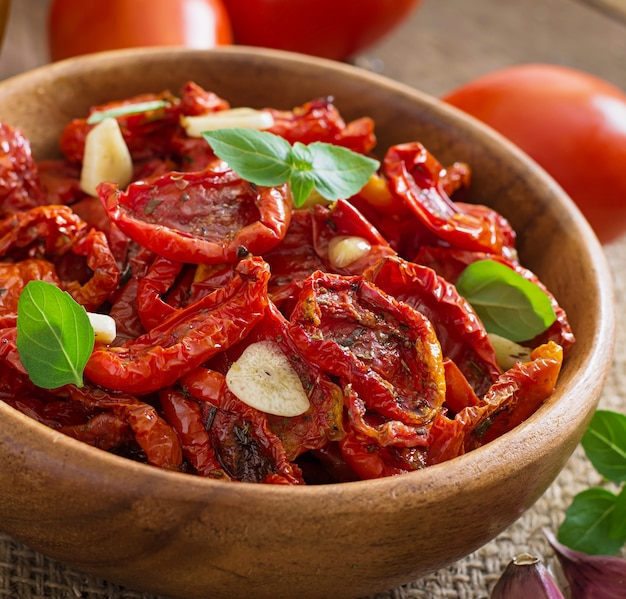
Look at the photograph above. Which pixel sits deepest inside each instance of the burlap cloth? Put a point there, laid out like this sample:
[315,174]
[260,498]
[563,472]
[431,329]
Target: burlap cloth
[444,44]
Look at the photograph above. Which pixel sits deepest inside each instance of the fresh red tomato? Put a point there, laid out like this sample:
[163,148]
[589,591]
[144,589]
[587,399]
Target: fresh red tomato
[78,27]
[335,29]
[572,123]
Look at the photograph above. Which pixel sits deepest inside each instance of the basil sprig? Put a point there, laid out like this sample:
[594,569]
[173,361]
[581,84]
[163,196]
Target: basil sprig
[54,335]
[264,158]
[507,304]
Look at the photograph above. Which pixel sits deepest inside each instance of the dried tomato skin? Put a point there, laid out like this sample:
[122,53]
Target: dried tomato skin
[513,398]
[56,234]
[196,100]
[170,286]
[60,181]
[200,217]
[20,187]
[185,416]
[384,349]
[371,460]
[343,219]
[187,339]
[240,435]
[460,332]
[147,134]
[152,308]
[415,176]
[101,263]
[293,260]
[14,277]
[319,120]
[41,231]
[153,434]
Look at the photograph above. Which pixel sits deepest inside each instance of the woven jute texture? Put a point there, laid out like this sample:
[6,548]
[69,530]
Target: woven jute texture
[444,44]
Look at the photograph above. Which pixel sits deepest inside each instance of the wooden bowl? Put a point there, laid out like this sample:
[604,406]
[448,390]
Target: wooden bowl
[192,538]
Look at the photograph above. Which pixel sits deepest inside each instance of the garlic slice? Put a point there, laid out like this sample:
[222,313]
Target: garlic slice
[103,326]
[245,118]
[264,379]
[106,157]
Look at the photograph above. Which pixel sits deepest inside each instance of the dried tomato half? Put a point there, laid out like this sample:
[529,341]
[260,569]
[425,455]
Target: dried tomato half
[461,334]
[200,217]
[415,176]
[385,352]
[240,435]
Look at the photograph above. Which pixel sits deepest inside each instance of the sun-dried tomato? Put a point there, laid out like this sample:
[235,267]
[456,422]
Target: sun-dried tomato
[200,217]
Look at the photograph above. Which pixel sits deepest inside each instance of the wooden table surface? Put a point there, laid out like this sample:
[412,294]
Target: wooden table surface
[444,44]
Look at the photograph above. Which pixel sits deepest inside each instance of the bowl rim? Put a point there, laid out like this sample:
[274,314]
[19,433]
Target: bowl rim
[439,478]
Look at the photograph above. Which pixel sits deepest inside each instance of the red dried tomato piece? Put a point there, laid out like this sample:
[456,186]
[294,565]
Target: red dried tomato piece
[155,436]
[322,422]
[187,339]
[460,332]
[513,398]
[185,416]
[319,120]
[19,180]
[415,176]
[147,134]
[384,349]
[293,260]
[202,217]
[342,219]
[14,277]
[240,435]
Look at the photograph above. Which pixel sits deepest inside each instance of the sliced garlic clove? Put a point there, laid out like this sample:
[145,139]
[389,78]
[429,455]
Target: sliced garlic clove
[103,326]
[343,250]
[106,157]
[245,118]
[264,379]
[508,353]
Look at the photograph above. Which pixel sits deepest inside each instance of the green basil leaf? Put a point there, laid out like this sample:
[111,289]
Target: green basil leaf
[618,519]
[54,336]
[340,172]
[257,156]
[588,523]
[508,304]
[604,443]
[264,158]
[125,109]
[301,183]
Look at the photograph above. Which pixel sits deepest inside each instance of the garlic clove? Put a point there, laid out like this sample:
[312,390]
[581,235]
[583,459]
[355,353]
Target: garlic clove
[508,353]
[590,576]
[106,157]
[343,250]
[525,577]
[104,327]
[264,379]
